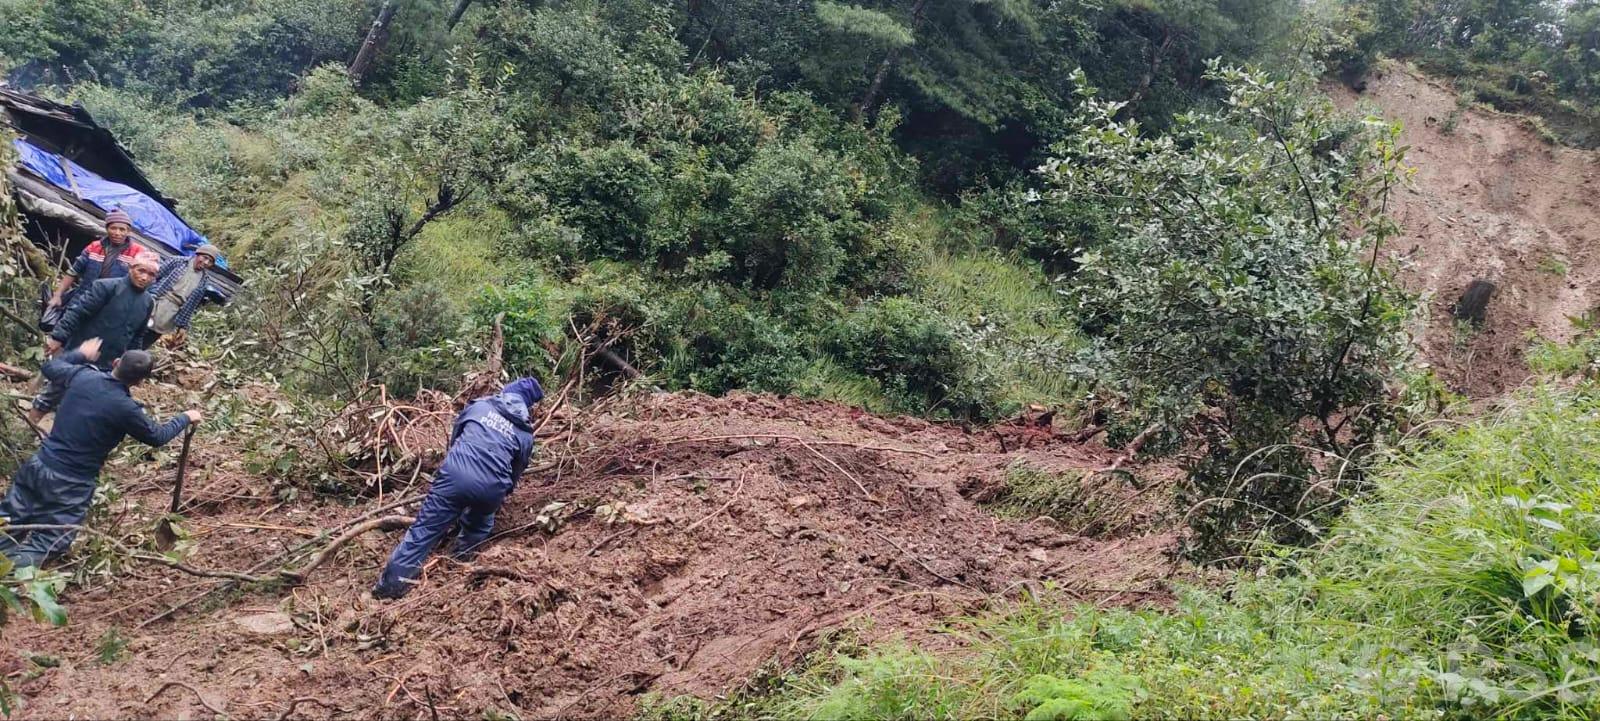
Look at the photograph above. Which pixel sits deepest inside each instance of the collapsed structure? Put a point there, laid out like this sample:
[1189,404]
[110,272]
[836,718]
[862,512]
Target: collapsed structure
[71,171]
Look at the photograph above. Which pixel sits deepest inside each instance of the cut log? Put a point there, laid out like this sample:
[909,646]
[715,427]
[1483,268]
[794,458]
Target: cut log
[11,372]
[1474,302]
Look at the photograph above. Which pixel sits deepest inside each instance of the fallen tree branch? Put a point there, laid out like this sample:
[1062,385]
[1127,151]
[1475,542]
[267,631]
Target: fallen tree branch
[272,561]
[1130,451]
[841,469]
[482,572]
[12,372]
[737,489]
[386,523]
[815,442]
[134,553]
[923,564]
[193,690]
[307,699]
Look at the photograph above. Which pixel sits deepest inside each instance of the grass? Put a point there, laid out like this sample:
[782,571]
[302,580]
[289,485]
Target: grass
[1013,315]
[1464,586]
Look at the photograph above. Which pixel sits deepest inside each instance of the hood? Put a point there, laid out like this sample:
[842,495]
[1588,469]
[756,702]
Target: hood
[511,407]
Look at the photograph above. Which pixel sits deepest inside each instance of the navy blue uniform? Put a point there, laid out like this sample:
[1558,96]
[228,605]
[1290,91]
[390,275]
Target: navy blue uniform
[490,445]
[112,310]
[57,484]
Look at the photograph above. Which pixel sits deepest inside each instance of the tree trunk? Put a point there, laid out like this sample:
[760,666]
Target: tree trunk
[869,100]
[1149,77]
[376,36]
[455,15]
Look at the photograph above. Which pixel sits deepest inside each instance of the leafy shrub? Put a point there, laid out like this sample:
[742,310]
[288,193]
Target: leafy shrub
[912,353]
[534,320]
[790,218]
[610,194]
[714,342]
[414,327]
[1234,304]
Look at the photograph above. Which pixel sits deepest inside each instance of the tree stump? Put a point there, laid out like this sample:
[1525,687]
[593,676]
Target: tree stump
[1474,302]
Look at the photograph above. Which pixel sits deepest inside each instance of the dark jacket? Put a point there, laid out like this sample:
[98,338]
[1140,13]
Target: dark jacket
[113,311]
[95,414]
[490,444]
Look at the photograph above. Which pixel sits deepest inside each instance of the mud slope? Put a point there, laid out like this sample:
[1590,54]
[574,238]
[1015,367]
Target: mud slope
[1491,201]
[697,547]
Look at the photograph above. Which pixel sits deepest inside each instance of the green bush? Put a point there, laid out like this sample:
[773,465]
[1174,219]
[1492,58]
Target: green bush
[912,353]
[1238,302]
[533,322]
[715,343]
[791,217]
[611,194]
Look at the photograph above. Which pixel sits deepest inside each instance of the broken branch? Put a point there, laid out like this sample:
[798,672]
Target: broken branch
[815,442]
[737,489]
[193,690]
[386,523]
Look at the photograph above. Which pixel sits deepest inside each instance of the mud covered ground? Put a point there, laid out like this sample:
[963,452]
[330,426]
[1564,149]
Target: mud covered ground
[701,539]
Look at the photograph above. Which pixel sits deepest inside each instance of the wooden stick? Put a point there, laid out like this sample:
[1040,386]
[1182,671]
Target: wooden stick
[14,373]
[193,690]
[386,523]
[714,514]
[306,699]
[841,469]
[924,566]
[815,442]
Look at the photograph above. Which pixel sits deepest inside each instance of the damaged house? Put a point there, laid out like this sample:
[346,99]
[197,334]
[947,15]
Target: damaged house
[70,172]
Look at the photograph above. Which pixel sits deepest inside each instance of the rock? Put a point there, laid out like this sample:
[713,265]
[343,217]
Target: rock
[804,501]
[1039,554]
[266,624]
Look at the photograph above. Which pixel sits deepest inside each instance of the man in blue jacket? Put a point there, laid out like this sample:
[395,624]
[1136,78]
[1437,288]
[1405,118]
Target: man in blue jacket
[490,445]
[56,485]
[115,310]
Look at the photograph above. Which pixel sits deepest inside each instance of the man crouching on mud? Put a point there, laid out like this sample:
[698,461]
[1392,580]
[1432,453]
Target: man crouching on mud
[490,445]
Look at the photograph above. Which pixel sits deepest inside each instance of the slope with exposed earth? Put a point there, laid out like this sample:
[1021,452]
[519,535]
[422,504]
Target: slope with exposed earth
[702,539]
[1490,200]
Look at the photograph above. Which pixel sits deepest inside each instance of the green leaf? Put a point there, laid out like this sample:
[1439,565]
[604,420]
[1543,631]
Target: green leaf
[45,600]
[1537,579]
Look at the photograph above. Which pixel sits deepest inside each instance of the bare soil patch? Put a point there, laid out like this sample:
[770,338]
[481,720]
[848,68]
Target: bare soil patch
[701,540]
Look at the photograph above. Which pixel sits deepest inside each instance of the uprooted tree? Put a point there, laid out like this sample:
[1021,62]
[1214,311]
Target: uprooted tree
[1244,301]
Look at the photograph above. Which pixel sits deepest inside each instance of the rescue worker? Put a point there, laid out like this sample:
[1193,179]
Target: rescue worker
[177,292]
[115,310]
[108,257]
[57,484]
[490,445]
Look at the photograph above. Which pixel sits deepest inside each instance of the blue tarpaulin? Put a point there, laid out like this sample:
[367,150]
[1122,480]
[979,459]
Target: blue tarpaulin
[150,218]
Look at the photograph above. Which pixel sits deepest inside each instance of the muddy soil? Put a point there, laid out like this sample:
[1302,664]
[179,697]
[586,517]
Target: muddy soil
[703,540]
[1491,200]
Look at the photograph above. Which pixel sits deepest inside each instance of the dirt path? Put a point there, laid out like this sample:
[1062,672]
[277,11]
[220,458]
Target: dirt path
[705,558]
[1491,201]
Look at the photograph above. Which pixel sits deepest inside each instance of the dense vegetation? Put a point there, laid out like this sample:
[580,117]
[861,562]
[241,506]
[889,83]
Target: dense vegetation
[1539,57]
[913,206]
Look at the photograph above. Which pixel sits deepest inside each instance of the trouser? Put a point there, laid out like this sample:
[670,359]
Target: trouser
[39,495]
[468,505]
[146,338]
